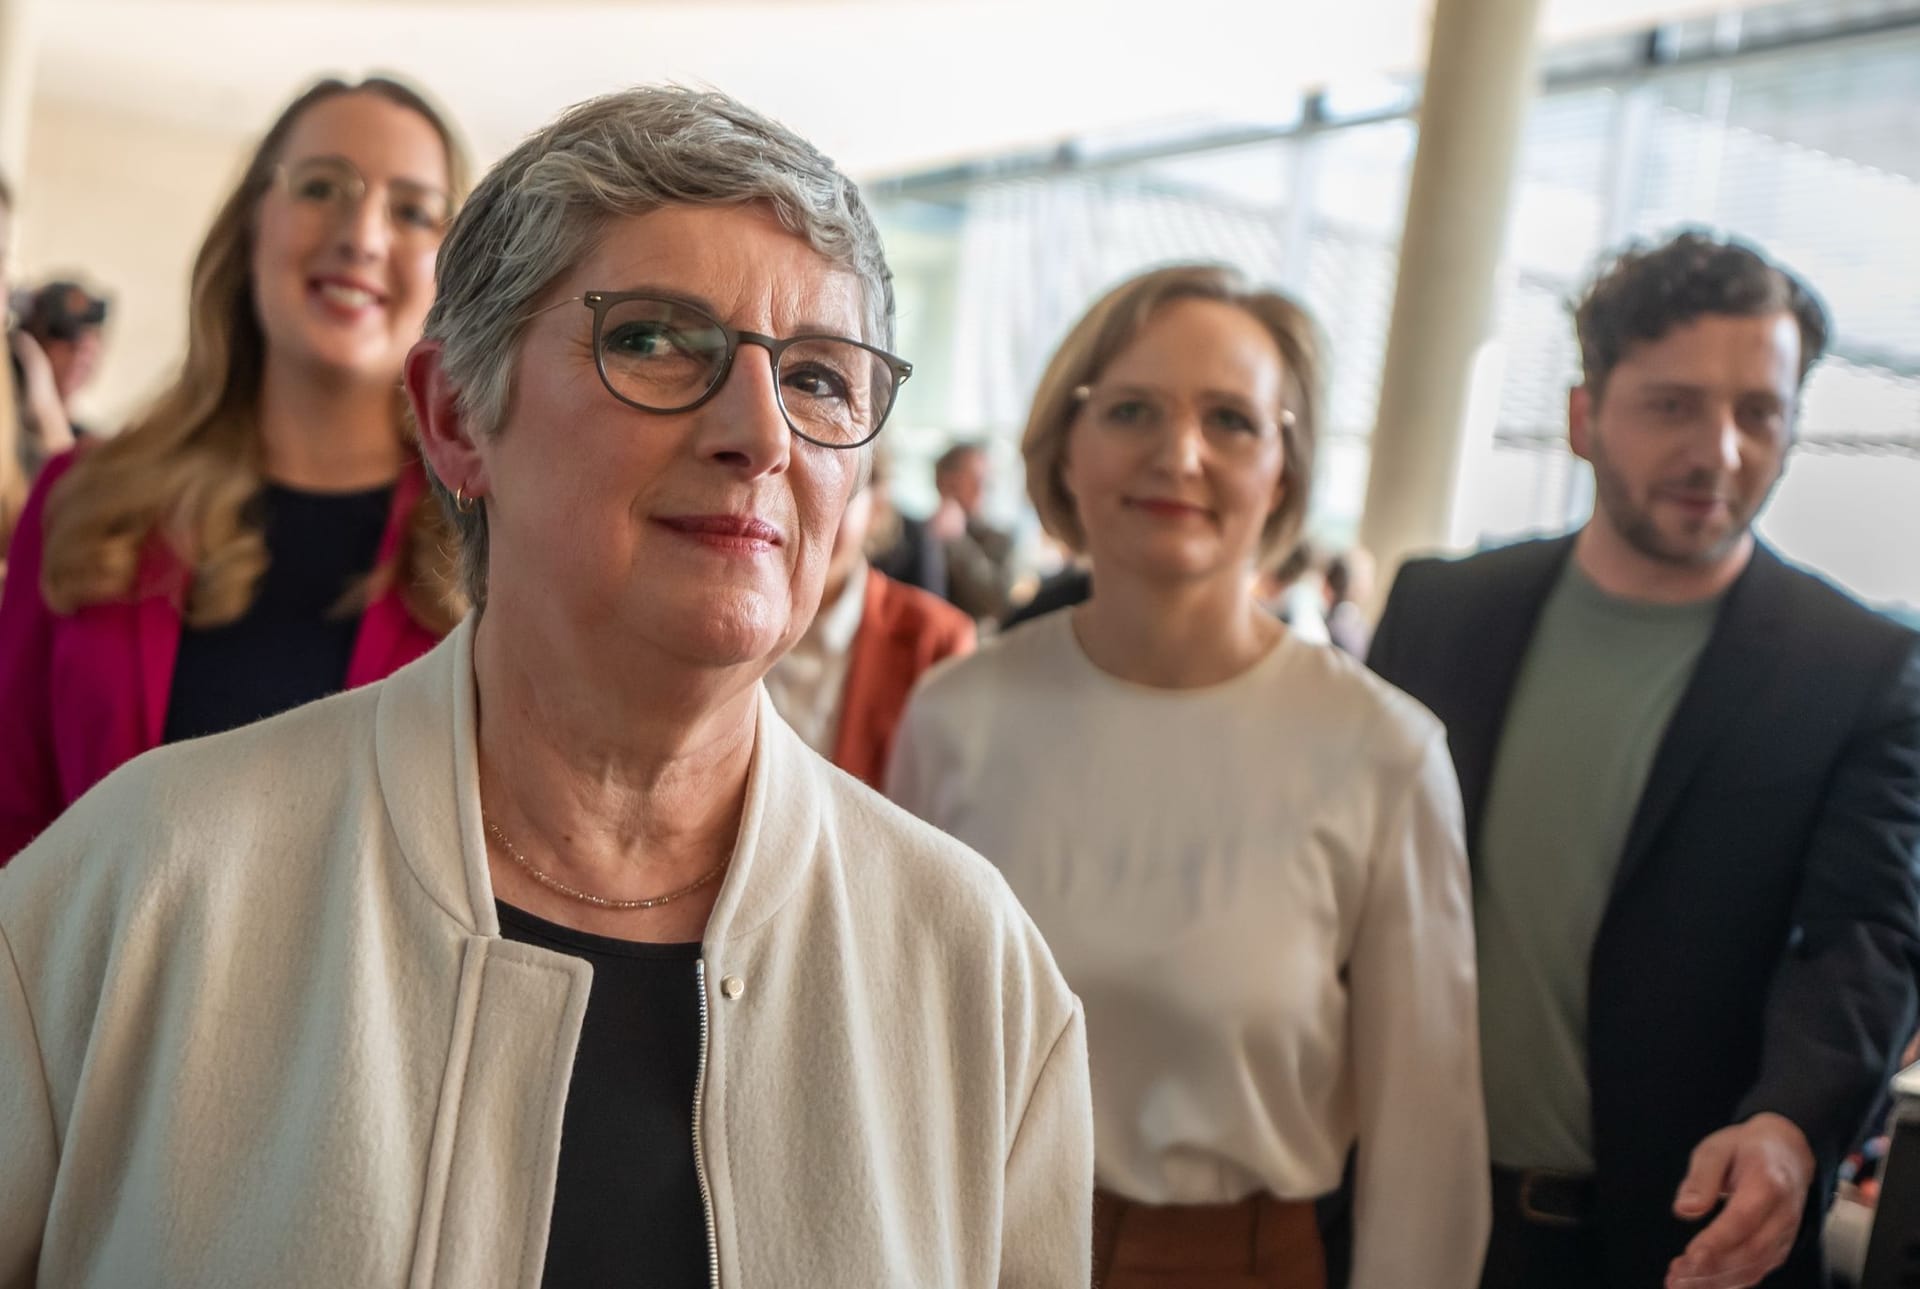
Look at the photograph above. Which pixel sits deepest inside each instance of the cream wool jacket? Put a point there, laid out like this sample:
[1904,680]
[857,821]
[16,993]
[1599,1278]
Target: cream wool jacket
[258,1027]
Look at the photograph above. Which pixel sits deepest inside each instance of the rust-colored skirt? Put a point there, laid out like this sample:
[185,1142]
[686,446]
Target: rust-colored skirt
[1259,1243]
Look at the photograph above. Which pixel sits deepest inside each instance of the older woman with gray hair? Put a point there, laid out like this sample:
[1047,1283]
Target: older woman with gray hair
[557,957]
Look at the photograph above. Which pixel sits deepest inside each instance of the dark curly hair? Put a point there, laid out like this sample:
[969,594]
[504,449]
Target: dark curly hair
[1649,290]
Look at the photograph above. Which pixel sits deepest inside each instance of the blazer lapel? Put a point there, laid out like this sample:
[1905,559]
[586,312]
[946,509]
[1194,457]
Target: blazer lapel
[160,589]
[1739,656]
[1511,610]
[380,647]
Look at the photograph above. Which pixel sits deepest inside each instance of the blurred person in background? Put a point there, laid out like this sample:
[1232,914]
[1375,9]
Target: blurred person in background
[33,423]
[845,683]
[1692,783]
[262,536]
[67,321]
[898,544]
[1071,585]
[979,557]
[1244,850]
[45,432]
[557,958]
[1346,586]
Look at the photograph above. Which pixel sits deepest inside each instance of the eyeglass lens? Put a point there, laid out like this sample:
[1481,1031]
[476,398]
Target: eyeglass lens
[415,211]
[664,356]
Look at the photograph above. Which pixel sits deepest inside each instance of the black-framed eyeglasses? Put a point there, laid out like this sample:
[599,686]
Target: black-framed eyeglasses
[659,354]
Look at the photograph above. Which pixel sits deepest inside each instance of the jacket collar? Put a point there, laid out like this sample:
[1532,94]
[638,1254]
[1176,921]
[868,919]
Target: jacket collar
[426,751]
[1739,657]
[1507,611]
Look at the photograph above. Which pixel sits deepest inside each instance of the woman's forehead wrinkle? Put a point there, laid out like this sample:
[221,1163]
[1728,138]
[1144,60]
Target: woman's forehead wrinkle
[792,290]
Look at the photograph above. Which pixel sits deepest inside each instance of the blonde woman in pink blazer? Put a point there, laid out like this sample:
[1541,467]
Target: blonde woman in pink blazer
[262,536]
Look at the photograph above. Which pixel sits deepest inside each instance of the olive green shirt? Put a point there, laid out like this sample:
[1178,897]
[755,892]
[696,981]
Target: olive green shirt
[1598,685]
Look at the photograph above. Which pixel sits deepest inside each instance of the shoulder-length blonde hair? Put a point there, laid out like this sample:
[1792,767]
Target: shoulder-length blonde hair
[1110,326]
[189,467]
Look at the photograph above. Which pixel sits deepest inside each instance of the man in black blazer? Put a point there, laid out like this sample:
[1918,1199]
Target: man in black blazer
[1692,785]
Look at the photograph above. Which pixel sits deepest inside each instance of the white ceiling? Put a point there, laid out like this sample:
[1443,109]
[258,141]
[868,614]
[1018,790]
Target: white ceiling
[880,84]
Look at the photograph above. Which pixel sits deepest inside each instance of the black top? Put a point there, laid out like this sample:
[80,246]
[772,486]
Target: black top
[290,646]
[1068,587]
[626,1206]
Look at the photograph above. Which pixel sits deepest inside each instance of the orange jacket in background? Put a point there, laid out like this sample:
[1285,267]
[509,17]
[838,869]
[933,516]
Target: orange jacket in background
[903,631]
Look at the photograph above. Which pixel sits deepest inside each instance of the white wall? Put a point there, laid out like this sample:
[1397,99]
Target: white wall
[122,200]
[143,109]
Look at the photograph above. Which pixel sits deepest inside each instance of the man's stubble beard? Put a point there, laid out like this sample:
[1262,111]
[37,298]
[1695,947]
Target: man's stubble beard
[1636,525]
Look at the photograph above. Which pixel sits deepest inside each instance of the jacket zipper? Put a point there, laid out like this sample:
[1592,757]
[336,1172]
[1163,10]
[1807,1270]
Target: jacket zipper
[699,1158]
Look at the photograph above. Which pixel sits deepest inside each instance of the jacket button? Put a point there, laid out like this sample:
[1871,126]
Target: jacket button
[733,986]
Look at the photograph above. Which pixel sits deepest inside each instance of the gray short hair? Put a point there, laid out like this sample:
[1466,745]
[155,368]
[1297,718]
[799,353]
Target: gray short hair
[542,208]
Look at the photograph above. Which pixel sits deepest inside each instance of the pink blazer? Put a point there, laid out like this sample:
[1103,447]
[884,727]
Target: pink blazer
[81,693]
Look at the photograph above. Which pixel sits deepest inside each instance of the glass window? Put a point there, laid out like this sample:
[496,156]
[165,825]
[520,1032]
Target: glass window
[1810,150]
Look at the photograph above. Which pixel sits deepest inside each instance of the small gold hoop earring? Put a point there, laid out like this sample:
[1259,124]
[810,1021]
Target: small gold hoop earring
[461,501]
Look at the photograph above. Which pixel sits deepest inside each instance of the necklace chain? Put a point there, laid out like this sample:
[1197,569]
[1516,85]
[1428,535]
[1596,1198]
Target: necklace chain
[554,884]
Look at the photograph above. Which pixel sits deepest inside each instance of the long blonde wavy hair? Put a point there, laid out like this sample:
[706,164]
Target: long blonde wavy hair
[188,469]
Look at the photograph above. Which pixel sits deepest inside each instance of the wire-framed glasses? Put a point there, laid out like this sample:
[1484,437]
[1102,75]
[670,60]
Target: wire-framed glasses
[659,354]
[332,188]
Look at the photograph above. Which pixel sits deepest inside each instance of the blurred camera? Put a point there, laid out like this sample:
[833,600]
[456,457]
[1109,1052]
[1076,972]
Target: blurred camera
[60,311]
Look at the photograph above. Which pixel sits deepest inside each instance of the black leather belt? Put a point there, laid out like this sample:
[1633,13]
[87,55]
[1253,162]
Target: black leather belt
[1545,1198]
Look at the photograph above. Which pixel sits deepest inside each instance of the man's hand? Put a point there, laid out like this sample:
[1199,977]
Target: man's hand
[1763,1168]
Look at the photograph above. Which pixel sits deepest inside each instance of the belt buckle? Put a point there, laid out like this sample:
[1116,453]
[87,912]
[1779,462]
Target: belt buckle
[1544,1217]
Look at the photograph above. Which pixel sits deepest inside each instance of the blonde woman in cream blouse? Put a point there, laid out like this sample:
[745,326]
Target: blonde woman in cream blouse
[1245,850]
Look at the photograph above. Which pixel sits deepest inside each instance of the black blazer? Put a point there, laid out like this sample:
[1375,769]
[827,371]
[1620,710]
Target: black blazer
[1760,947]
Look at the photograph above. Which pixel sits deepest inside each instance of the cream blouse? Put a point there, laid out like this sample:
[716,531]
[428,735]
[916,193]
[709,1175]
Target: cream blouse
[1259,890]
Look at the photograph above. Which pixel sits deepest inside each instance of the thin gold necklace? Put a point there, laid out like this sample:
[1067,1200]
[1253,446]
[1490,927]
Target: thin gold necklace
[598,901]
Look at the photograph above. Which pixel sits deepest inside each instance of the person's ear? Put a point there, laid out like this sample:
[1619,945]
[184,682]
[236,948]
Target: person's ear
[446,440]
[1580,412]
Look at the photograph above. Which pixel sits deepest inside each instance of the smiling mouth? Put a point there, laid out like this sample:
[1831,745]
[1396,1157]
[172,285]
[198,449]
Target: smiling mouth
[1163,508]
[740,534]
[346,295]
